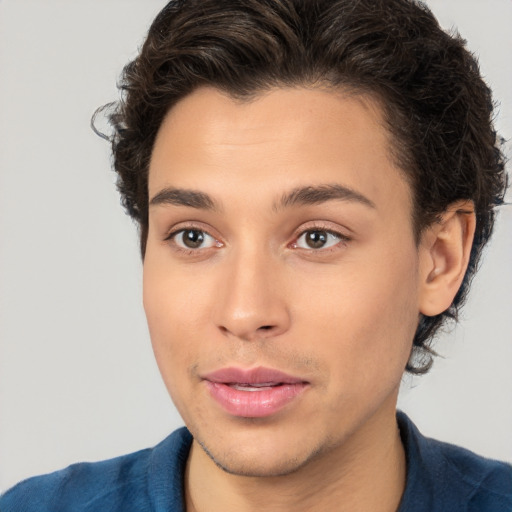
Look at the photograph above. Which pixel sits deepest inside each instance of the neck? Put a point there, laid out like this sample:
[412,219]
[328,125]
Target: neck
[367,472]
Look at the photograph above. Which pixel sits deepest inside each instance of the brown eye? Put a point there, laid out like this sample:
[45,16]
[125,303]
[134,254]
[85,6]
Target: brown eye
[193,239]
[317,239]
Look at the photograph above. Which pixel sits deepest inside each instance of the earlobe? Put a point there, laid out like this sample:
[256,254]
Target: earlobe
[445,248]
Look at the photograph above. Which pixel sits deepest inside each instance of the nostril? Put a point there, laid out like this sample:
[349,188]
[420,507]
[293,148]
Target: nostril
[265,327]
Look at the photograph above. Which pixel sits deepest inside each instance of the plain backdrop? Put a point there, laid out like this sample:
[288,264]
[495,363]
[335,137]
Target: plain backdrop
[77,376]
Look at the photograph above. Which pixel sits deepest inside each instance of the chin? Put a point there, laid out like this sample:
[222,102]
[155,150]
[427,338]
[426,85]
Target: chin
[258,463]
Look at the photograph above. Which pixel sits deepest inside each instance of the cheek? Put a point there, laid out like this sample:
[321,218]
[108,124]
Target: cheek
[175,296]
[366,315]
[173,307]
[177,315]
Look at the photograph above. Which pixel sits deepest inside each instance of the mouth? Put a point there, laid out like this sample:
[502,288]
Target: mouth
[254,386]
[254,393]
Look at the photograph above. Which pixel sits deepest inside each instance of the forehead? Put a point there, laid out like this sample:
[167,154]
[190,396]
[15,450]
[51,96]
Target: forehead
[282,138]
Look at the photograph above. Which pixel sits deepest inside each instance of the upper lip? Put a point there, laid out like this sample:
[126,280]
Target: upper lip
[259,375]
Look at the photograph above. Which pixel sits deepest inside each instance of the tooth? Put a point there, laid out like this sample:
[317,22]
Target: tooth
[253,387]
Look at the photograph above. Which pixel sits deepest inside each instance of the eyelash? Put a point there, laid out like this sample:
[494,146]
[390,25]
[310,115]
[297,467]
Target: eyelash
[342,239]
[189,252]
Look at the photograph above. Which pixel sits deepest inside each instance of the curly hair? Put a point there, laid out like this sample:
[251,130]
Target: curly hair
[437,107]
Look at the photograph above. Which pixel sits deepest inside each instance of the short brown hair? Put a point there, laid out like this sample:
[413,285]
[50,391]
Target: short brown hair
[438,108]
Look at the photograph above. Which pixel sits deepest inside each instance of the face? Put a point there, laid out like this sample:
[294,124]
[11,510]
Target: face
[281,273]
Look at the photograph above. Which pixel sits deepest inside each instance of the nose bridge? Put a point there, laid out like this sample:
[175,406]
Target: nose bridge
[251,302]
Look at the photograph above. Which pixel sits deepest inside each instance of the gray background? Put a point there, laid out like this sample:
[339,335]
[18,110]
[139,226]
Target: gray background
[77,376]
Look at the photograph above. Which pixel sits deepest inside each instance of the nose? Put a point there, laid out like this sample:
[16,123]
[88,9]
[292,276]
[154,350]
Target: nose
[251,304]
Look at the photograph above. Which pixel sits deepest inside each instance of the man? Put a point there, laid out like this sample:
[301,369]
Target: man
[314,183]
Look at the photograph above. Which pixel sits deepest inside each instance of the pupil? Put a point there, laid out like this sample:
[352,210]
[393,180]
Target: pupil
[193,238]
[316,239]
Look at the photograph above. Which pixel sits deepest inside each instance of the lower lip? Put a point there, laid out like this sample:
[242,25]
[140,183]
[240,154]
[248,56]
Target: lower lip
[255,404]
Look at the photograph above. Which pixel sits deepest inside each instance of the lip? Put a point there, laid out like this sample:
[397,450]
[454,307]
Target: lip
[253,393]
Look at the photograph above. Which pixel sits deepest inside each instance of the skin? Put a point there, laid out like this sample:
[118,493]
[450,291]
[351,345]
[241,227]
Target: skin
[340,316]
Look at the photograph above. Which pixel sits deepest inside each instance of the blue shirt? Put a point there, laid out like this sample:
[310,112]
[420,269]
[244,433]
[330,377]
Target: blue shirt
[440,478]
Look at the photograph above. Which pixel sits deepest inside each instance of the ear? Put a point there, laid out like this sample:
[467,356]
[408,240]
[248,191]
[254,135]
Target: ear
[444,255]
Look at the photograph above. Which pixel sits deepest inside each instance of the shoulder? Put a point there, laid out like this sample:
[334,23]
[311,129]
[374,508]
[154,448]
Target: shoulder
[449,477]
[81,487]
[486,483]
[120,484]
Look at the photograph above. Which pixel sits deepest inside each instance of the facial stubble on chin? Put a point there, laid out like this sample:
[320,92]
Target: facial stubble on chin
[287,467]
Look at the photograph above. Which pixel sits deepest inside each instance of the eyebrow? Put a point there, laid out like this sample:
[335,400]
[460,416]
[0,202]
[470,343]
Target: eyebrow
[307,195]
[320,194]
[184,197]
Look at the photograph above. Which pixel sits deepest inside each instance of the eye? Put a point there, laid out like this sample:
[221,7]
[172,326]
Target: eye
[193,239]
[318,239]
